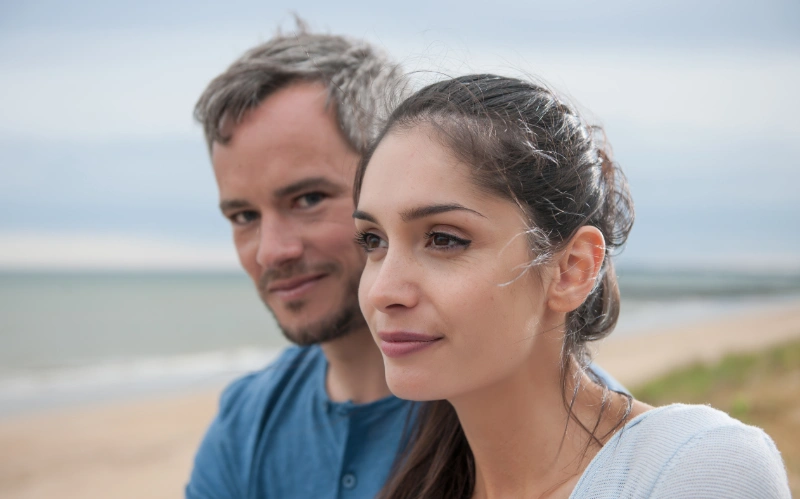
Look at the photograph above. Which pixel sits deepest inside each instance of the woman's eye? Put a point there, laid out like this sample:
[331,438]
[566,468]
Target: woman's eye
[441,240]
[370,241]
[308,200]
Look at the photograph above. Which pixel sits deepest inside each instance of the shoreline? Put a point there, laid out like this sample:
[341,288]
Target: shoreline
[128,380]
[28,391]
[143,447]
[635,359]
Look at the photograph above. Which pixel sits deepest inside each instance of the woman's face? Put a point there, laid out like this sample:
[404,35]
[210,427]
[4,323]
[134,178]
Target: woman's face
[444,290]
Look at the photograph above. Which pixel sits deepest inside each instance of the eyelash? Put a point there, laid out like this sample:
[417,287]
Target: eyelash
[461,243]
[250,214]
[361,240]
[320,195]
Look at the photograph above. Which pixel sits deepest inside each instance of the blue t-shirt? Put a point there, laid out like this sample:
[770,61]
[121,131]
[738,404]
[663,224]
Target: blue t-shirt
[278,435]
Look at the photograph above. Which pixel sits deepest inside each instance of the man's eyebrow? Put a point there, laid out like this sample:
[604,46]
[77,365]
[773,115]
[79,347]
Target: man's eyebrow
[308,183]
[433,209]
[233,204]
[419,212]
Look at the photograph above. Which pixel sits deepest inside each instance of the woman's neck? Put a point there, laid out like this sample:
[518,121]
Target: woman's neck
[355,368]
[524,442]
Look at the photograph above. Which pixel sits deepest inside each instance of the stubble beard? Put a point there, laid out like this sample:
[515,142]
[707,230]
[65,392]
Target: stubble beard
[346,319]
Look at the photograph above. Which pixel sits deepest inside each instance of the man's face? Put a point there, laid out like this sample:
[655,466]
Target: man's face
[285,181]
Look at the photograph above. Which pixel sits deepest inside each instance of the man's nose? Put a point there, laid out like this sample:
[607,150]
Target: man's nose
[395,283]
[278,243]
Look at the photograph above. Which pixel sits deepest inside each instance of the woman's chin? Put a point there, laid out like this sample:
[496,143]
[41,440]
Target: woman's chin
[410,385]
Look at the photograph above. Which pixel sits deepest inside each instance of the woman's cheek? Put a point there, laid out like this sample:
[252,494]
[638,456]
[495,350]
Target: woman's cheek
[363,293]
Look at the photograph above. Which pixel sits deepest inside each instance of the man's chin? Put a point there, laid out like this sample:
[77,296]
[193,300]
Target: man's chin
[330,327]
[309,320]
[295,306]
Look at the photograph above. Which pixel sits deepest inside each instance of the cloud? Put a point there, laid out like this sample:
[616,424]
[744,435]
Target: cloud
[123,85]
[129,84]
[98,139]
[688,22]
[91,251]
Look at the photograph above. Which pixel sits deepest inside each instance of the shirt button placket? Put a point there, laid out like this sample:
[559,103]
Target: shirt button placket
[349,481]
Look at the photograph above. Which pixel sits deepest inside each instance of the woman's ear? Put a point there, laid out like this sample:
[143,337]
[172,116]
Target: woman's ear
[577,269]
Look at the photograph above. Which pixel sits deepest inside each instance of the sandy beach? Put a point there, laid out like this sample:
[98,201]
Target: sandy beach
[144,448]
[638,358]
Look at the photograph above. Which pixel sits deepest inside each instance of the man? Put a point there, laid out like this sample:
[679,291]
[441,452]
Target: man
[286,125]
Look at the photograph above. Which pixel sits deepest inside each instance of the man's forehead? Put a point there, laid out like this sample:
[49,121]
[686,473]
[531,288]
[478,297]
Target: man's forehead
[281,173]
[289,140]
[302,132]
[276,179]
[299,107]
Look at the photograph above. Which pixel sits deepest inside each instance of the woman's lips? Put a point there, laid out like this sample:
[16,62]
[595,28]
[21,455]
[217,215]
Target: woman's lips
[399,343]
[292,289]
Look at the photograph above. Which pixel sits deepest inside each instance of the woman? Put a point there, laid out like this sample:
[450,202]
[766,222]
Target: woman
[488,211]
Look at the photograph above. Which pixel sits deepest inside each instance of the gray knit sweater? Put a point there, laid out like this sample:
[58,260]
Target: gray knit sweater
[685,451]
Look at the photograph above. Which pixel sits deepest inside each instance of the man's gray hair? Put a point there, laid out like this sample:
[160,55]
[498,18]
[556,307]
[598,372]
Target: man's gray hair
[362,83]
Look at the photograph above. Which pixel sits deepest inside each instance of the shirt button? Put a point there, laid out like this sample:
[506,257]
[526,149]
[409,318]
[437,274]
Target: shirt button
[349,481]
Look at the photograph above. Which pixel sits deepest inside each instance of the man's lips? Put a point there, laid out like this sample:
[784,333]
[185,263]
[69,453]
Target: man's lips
[290,289]
[399,343]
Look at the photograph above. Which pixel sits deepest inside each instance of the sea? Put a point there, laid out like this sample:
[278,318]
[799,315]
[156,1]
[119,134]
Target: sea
[70,339]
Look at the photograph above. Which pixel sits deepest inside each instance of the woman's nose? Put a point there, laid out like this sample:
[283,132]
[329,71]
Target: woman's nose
[394,285]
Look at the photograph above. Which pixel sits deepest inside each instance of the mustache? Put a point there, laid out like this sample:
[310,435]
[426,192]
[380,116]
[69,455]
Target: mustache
[293,269]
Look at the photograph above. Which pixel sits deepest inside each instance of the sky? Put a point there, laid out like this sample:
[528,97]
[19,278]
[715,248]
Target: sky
[102,166]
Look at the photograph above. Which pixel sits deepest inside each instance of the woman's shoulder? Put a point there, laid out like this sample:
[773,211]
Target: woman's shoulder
[687,451]
[678,422]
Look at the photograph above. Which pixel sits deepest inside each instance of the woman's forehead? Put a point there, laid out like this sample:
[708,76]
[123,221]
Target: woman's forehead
[412,170]
[413,163]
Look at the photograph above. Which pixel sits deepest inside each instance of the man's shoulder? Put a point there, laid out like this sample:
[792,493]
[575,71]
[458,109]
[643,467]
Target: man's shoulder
[292,371]
[225,458]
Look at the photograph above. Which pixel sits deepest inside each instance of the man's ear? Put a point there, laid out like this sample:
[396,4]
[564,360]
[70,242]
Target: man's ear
[577,269]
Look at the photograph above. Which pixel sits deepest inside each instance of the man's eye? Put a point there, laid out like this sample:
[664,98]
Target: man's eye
[243,217]
[309,200]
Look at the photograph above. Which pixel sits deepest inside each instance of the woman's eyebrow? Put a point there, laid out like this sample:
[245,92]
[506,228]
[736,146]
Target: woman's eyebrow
[363,215]
[433,209]
[419,212]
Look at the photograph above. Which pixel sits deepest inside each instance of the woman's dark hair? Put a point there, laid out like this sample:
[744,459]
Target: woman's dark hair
[530,147]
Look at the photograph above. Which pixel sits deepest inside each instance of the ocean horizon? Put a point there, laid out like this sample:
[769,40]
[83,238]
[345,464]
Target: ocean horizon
[69,338]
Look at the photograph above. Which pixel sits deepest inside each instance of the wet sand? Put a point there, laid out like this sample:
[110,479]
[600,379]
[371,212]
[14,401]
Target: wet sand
[144,448]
